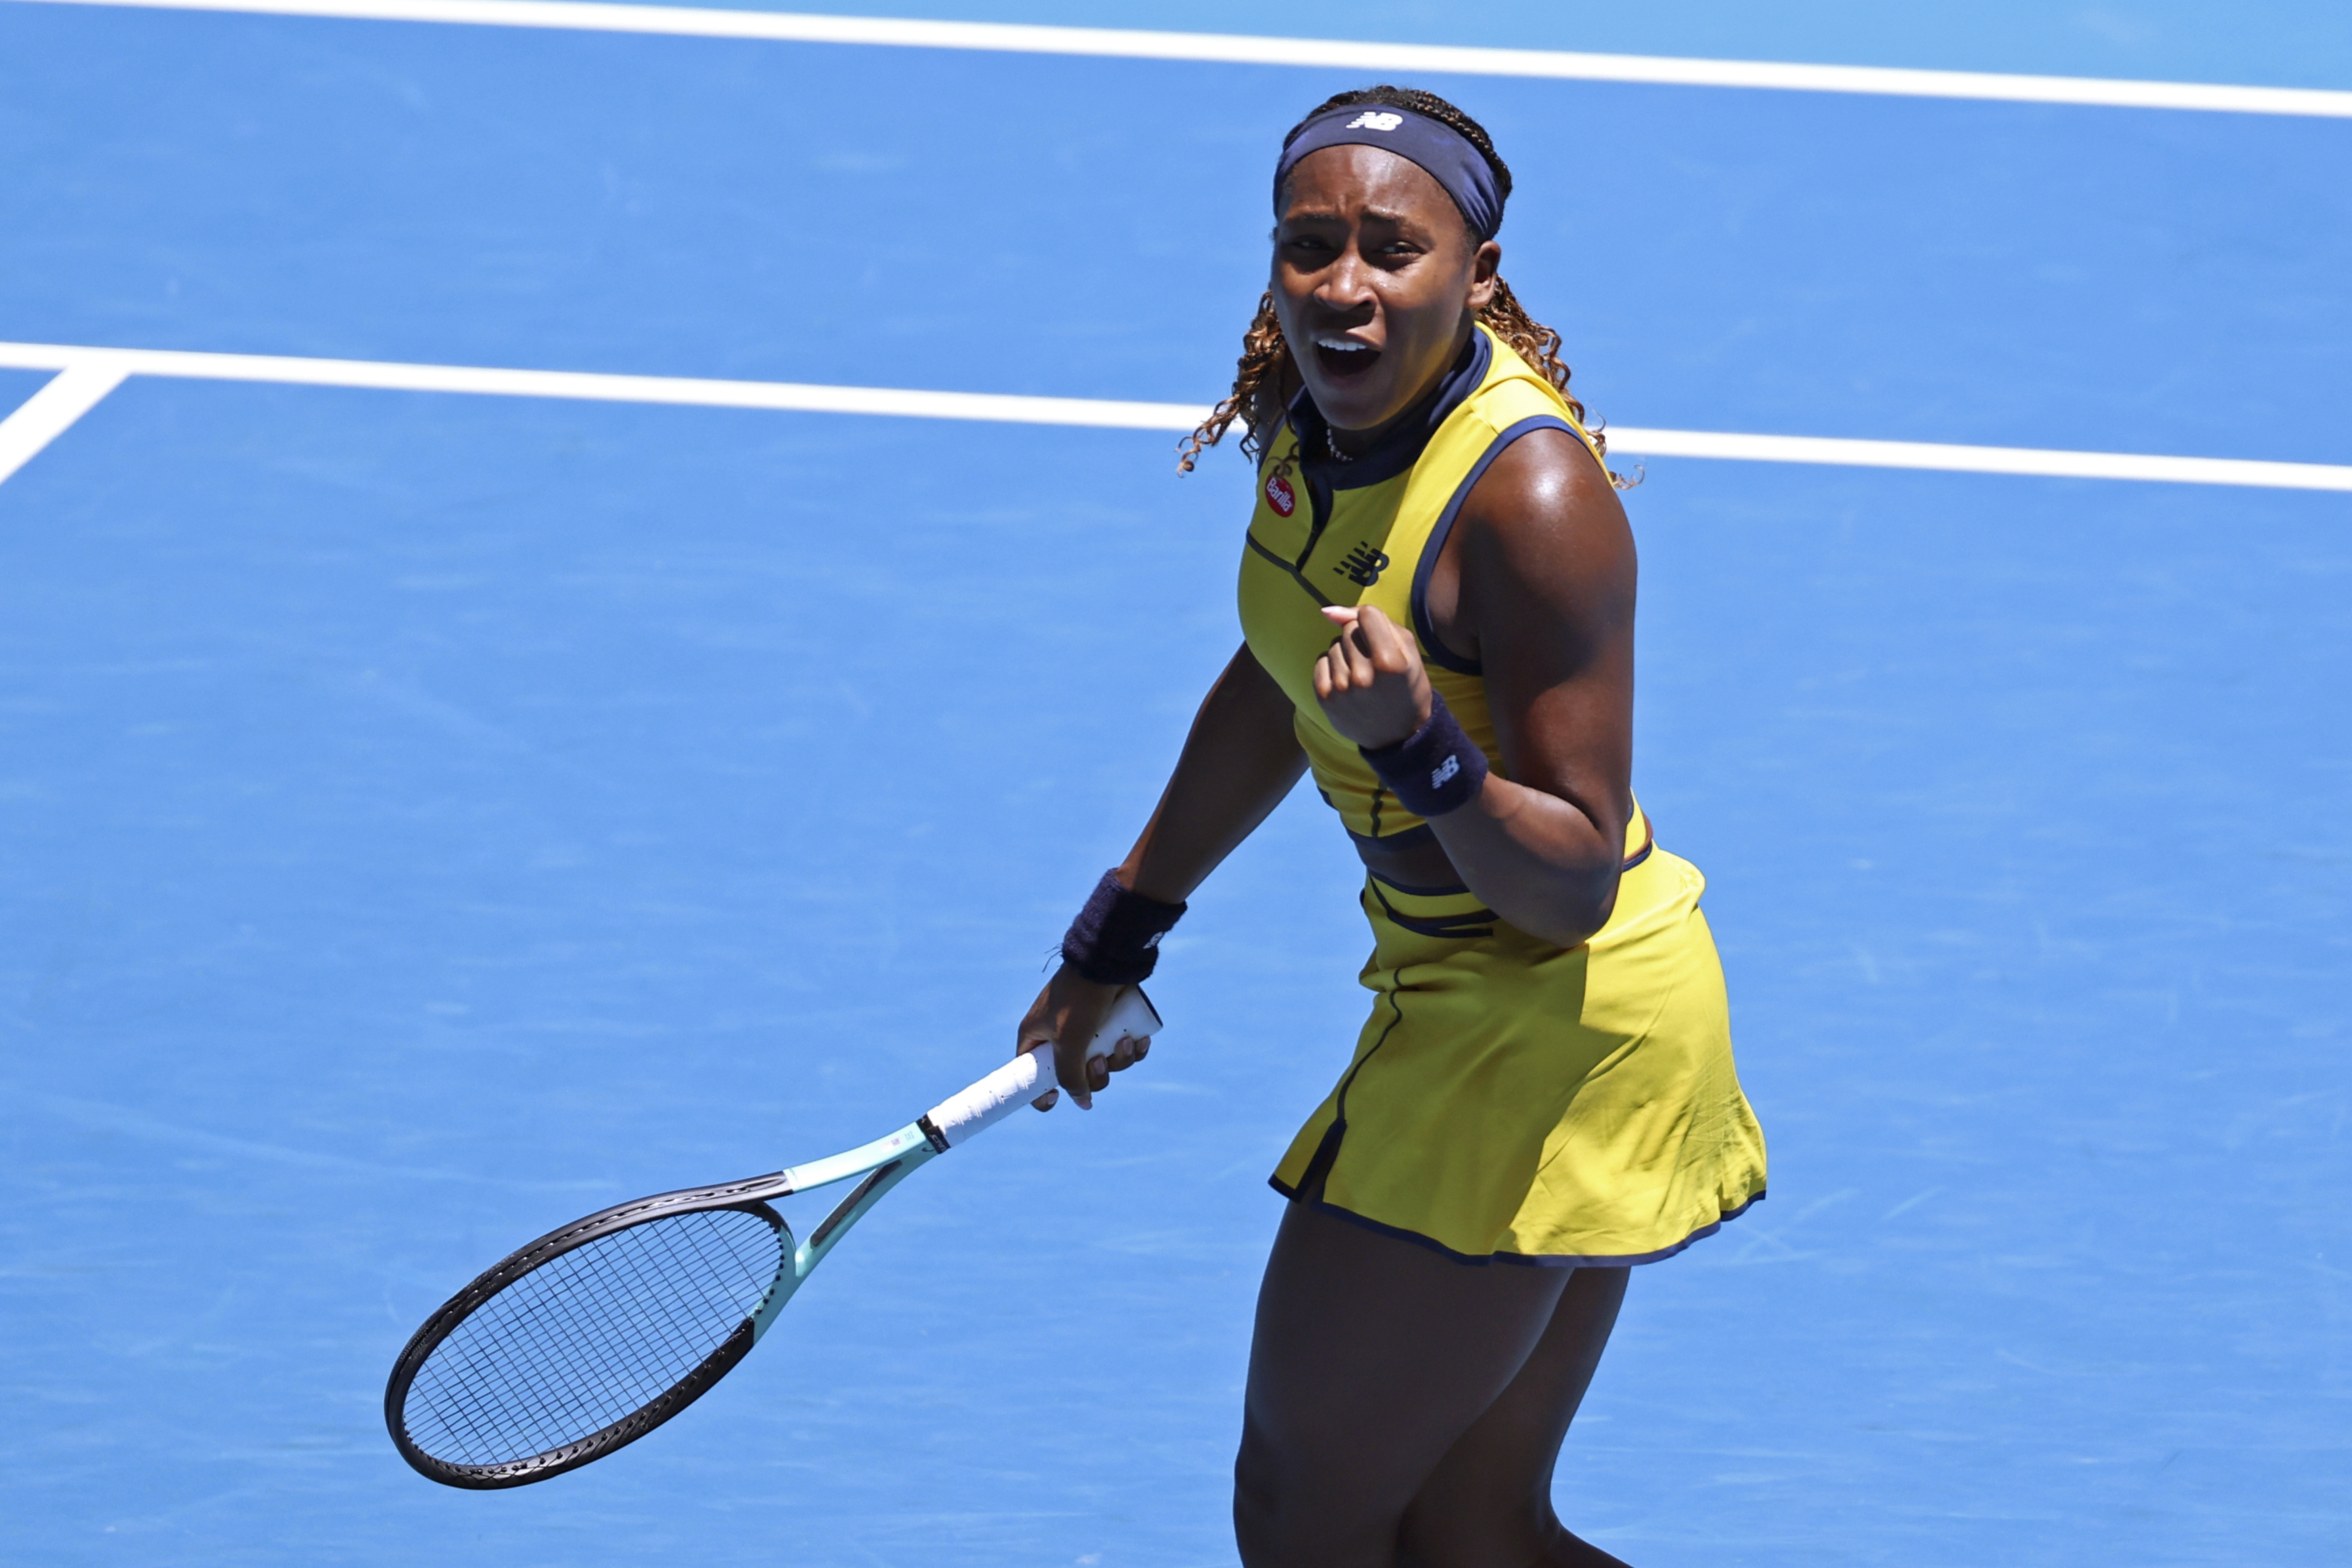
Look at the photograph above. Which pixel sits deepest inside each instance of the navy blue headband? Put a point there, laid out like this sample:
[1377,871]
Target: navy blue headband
[1436,146]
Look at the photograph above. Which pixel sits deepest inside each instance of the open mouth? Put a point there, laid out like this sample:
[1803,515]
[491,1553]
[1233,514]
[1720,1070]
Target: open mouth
[1344,357]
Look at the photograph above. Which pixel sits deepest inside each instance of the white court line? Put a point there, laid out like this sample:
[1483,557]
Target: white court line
[50,411]
[792,396]
[100,370]
[1949,458]
[1234,48]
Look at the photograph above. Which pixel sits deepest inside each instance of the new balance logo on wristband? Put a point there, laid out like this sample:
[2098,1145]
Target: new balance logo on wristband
[1436,770]
[1364,566]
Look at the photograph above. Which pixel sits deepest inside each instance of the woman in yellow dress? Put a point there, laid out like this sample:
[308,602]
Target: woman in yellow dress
[1437,606]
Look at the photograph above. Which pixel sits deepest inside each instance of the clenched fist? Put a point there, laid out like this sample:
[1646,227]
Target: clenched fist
[1370,682]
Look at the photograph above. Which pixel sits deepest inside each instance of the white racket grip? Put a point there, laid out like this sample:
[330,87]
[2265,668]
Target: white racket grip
[1031,1074]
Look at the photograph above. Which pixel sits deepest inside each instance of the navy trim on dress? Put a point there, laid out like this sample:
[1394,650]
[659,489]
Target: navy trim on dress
[1401,446]
[1439,653]
[1470,924]
[1327,1152]
[1524,1259]
[1339,1108]
[1413,837]
[1318,1165]
[1405,887]
[1296,575]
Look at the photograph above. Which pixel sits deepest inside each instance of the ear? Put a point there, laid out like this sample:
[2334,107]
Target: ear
[1486,267]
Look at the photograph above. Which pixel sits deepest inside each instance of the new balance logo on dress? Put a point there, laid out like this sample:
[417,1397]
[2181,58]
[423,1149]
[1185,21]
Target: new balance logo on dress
[1364,566]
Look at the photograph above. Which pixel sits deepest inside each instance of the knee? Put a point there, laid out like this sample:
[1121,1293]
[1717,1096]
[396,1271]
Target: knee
[1287,1517]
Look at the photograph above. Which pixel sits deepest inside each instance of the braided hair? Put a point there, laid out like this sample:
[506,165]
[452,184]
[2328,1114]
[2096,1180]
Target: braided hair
[1256,397]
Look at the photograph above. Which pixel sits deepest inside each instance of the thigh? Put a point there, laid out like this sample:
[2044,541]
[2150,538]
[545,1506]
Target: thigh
[1487,1503]
[1372,1355]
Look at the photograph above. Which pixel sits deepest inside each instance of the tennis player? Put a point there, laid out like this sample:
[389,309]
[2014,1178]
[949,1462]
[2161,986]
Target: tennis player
[1437,603]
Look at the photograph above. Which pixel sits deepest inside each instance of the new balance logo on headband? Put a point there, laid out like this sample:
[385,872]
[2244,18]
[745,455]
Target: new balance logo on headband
[1445,152]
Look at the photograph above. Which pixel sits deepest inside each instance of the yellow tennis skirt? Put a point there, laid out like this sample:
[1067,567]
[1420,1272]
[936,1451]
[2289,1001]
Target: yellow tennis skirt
[1512,1100]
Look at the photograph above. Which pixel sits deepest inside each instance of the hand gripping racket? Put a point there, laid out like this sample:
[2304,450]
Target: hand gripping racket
[595,1335]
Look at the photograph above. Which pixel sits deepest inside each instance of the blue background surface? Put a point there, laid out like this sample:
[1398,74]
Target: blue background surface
[424,819]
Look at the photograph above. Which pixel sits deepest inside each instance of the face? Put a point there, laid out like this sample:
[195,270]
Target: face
[1376,280]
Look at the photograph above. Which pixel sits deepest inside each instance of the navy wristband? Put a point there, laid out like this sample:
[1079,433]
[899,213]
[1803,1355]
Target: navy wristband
[1114,940]
[1434,770]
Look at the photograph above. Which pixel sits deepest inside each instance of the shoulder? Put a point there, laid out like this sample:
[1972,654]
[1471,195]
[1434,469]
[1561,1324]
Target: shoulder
[1545,514]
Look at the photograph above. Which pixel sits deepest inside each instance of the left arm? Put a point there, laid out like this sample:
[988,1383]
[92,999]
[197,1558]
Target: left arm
[1540,590]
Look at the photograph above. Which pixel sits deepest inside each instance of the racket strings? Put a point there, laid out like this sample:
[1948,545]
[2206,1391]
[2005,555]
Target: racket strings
[570,1349]
[614,1333]
[590,1337]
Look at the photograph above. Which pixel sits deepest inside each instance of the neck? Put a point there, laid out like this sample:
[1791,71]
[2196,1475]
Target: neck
[1355,442]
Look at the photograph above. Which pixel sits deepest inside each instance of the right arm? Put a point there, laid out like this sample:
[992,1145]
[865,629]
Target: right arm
[1241,759]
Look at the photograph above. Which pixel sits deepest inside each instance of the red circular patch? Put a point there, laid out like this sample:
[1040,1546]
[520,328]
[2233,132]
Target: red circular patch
[1280,495]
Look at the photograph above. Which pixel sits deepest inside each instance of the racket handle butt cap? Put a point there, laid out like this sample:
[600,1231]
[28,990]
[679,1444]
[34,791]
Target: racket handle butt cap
[1020,1081]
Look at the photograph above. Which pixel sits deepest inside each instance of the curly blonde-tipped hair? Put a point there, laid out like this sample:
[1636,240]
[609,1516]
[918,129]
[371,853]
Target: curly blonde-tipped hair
[1256,398]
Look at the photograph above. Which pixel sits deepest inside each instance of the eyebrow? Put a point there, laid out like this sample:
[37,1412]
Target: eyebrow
[1401,220]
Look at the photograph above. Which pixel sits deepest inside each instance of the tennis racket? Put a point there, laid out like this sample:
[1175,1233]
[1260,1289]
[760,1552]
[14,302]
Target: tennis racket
[595,1335]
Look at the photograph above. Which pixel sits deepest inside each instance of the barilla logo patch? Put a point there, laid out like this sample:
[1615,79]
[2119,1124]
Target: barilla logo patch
[1372,121]
[1280,495]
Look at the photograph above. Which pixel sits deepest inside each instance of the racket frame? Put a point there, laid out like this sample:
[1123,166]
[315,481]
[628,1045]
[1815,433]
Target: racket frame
[882,1164]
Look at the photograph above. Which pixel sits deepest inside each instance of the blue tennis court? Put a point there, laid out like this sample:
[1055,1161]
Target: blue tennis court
[424,817]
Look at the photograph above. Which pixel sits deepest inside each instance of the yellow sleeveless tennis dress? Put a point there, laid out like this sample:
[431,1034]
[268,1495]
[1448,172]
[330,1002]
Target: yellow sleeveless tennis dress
[1508,1099]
